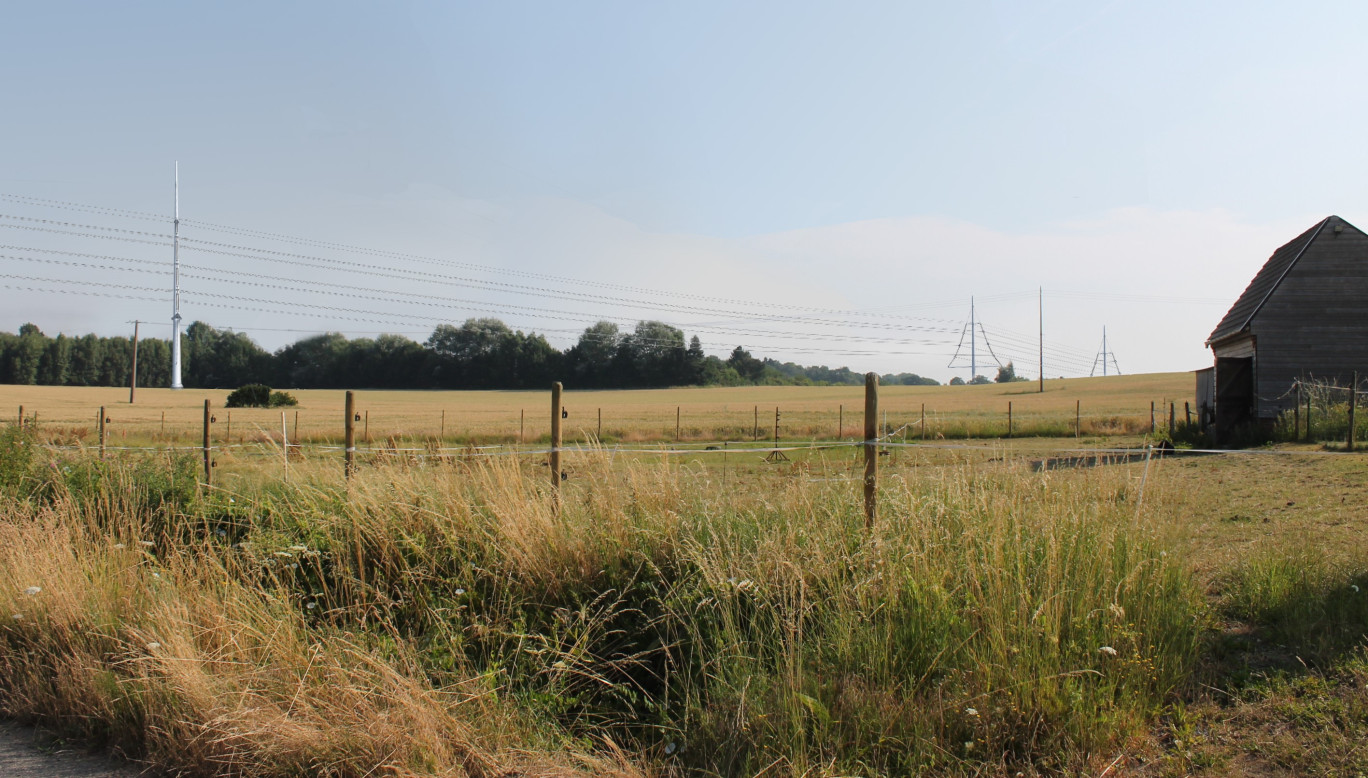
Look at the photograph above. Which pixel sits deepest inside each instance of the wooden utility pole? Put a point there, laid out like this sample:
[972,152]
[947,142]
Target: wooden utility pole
[102,433]
[556,410]
[208,462]
[871,432]
[133,383]
[1353,404]
[349,436]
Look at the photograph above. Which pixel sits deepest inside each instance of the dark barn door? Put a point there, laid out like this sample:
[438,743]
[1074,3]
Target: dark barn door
[1234,393]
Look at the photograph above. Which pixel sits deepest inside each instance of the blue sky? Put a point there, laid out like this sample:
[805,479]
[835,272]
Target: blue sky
[1137,160]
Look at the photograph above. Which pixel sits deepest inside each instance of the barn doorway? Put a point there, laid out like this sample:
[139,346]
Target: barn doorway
[1234,393]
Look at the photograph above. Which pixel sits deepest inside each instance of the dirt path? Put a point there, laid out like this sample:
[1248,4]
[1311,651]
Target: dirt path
[20,757]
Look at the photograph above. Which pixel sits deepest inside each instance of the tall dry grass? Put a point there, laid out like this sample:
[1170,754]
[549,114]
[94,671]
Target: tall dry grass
[447,619]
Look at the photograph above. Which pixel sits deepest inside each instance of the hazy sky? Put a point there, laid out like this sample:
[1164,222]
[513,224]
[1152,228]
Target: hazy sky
[827,183]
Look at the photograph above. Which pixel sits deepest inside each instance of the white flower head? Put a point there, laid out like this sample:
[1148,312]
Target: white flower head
[32,590]
[1108,650]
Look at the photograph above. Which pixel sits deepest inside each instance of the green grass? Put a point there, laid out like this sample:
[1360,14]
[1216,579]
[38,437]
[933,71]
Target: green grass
[440,616]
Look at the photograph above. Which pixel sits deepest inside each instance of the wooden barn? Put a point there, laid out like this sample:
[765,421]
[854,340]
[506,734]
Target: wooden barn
[1305,315]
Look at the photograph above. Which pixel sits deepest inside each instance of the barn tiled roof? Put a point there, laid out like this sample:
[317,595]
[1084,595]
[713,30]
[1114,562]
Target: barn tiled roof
[1258,291]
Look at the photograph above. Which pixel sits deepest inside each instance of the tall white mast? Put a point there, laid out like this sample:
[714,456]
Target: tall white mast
[175,291]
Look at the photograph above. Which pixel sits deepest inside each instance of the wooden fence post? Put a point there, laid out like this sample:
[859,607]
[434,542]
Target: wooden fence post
[102,433]
[208,461]
[349,436]
[284,447]
[871,452]
[1353,404]
[554,459]
[1308,417]
[1296,414]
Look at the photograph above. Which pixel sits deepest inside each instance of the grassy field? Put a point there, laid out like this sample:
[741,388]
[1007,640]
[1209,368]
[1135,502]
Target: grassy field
[440,616]
[1118,404]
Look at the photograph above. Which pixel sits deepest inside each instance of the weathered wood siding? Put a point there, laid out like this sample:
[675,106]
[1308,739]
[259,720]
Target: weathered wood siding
[1315,322]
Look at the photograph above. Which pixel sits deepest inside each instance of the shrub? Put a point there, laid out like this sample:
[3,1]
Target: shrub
[250,396]
[282,399]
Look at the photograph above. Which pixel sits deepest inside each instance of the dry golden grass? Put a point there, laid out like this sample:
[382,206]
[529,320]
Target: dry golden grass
[1118,404]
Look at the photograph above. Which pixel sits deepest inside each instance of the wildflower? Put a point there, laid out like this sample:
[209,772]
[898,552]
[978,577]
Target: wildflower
[153,646]
[32,590]
[970,712]
[1108,650]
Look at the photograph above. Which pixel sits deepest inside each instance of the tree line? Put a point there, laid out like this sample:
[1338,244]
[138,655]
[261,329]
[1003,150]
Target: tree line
[478,354]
